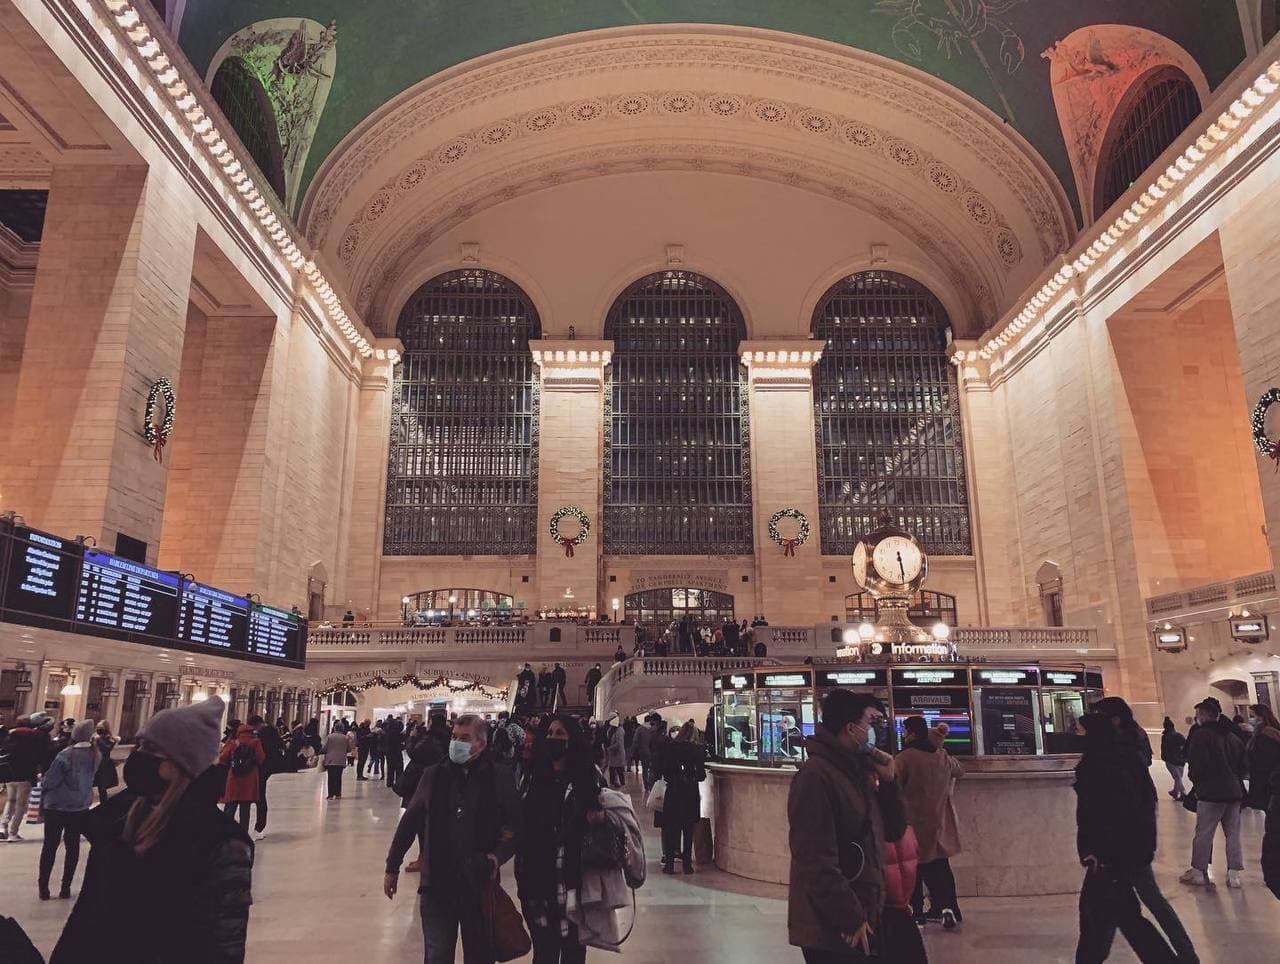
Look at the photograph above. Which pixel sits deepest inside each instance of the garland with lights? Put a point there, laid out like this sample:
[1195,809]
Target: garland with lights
[411,679]
[569,512]
[1265,445]
[158,435]
[802,536]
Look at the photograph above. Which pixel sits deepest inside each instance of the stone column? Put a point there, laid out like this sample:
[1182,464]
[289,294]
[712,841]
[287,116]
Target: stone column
[107,318]
[369,482]
[571,462]
[784,475]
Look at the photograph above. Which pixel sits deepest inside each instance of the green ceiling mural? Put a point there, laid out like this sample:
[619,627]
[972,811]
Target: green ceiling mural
[988,48]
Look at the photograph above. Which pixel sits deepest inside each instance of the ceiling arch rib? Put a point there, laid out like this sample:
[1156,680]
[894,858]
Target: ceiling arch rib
[865,131]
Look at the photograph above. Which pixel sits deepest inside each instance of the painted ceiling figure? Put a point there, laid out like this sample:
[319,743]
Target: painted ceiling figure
[954,23]
[299,56]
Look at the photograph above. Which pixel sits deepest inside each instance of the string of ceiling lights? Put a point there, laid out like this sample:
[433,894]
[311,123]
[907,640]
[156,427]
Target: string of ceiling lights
[187,103]
[1215,136]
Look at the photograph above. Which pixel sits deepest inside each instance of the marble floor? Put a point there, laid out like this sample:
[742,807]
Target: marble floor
[318,876]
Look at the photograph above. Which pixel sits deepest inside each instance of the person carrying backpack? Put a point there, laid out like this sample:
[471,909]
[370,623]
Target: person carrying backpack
[243,758]
[273,749]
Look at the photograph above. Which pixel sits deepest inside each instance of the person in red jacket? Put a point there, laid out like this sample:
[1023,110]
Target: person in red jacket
[243,757]
[900,936]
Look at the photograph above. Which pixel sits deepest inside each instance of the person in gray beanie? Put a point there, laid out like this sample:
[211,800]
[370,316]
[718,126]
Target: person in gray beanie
[164,844]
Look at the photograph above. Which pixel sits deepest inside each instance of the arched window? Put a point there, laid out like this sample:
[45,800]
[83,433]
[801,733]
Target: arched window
[462,472]
[247,108]
[1153,114]
[677,469]
[925,609]
[888,417]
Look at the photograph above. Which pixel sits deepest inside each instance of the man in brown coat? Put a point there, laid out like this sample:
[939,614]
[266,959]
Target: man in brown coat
[925,774]
[842,808]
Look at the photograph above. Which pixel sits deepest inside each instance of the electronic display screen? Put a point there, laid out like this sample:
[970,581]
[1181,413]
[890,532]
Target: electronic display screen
[930,677]
[1063,677]
[959,738]
[275,634]
[738,681]
[214,618]
[1008,721]
[1011,676]
[40,579]
[124,596]
[1093,680]
[784,680]
[853,677]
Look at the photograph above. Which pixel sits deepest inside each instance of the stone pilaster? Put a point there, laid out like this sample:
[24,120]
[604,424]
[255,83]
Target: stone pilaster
[784,474]
[571,441]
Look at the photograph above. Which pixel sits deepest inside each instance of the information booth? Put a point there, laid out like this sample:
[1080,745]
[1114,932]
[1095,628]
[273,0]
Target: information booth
[1010,710]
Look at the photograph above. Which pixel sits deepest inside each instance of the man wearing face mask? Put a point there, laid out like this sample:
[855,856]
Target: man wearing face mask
[843,806]
[466,813]
[164,845]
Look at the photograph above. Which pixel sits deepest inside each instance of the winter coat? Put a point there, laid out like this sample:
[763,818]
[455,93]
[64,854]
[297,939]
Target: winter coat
[193,887]
[551,816]
[901,864]
[68,783]
[839,819]
[681,765]
[29,749]
[642,742]
[242,788]
[106,776]
[924,781]
[618,747]
[594,906]
[1271,837]
[335,749]
[1216,756]
[425,753]
[1263,756]
[273,748]
[1173,748]
[1115,807]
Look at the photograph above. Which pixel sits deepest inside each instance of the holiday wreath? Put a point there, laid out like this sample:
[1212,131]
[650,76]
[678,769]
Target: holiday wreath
[1265,445]
[569,512]
[157,435]
[801,537]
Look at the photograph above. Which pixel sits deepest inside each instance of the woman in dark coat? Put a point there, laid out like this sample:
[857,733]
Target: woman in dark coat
[559,795]
[1173,753]
[680,763]
[106,777]
[1263,755]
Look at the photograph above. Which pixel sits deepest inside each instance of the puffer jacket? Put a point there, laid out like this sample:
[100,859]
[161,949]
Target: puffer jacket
[901,865]
[1216,758]
[1263,755]
[839,818]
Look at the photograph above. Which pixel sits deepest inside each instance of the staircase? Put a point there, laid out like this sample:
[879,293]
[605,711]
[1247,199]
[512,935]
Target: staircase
[638,684]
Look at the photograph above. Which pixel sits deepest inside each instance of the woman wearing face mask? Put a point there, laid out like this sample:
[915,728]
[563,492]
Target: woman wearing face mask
[680,763]
[1263,755]
[561,792]
[163,844]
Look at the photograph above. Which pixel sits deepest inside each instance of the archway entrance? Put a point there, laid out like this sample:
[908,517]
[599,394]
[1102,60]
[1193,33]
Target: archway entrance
[656,609]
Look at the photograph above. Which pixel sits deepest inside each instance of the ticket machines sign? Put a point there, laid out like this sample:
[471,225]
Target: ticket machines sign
[1250,629]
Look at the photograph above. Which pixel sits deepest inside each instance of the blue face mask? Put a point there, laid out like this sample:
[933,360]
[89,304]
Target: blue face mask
[459,751]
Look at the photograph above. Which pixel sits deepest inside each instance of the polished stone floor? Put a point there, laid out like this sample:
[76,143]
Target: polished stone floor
[318,874]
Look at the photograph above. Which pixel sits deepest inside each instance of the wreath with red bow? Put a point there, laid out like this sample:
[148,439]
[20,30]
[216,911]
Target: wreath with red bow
[789,546]
[584,523]
[1265,445]
[157,435]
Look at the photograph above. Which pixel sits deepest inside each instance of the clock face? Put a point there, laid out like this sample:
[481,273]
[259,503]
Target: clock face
[860,565]
[897,560]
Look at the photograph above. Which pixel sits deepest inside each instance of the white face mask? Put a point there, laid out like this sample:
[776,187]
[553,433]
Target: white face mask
[459,751]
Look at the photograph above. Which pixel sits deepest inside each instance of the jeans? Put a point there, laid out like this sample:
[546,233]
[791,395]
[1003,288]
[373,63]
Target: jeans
[1208,816]
[65,826]
[1175,771]
[549,947]
[334,773]
[16,797]
[446,910]
[1148,891]
[936,875]
[1108,902]
[678,842]
[241,808]
[260,823]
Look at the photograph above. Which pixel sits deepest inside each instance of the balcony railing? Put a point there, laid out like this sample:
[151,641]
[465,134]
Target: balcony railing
[979,641]
[623,676]
[1213,595]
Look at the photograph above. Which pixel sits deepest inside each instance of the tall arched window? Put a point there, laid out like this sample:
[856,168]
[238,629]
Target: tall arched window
[888,417]
[677,468]
[245,104]
[1153,114]
[462,472]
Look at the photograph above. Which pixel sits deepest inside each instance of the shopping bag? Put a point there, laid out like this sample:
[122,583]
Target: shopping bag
[657,795]
[508,938]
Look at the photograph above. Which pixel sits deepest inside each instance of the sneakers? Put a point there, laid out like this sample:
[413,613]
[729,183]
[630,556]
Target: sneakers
[1233,879]
[949,919]
[4,834]
[1196,878]
[259,834]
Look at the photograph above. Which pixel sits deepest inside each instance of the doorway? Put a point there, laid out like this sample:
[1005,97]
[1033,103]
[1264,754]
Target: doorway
[655,609]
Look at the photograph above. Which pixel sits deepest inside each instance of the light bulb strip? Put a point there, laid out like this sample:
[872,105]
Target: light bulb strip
[186,104]
[1211,142]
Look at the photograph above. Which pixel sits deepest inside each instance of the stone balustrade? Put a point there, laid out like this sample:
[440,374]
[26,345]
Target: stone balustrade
[1215,594]
[693,673]
[979,641]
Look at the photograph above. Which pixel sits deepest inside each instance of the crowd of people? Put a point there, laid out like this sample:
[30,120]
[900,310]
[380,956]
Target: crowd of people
[871,834]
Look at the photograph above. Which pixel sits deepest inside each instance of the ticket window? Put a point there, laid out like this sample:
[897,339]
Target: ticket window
[785,704]
[857,680]
[739,736]
[1059,710]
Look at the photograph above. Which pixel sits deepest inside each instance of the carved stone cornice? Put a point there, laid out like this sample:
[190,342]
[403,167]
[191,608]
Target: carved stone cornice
[570,365]
[780,365]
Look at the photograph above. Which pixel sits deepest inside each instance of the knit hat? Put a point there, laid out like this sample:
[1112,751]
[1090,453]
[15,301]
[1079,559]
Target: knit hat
[188,735]
[1114,706]
[82,732]
[1211,705]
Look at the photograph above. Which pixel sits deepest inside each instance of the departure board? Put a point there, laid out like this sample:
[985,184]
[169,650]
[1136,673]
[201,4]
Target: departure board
[124,596]
[275,634]
[41,576]
[213,617]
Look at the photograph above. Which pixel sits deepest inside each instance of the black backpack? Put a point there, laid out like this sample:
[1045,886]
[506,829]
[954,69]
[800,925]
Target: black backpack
[243,761]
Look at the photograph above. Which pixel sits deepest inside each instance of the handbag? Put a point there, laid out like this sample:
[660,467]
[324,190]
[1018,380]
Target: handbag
[657,794]
[1190,800]
[604,846]
[508,938]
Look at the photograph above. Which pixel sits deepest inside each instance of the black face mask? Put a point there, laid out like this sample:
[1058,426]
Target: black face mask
[142,774]
[556,749]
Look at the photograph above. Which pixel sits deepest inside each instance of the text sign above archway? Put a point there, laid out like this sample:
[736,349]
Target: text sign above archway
[717,580]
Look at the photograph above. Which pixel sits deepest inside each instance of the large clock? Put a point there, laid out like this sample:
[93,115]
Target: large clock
[889,562]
